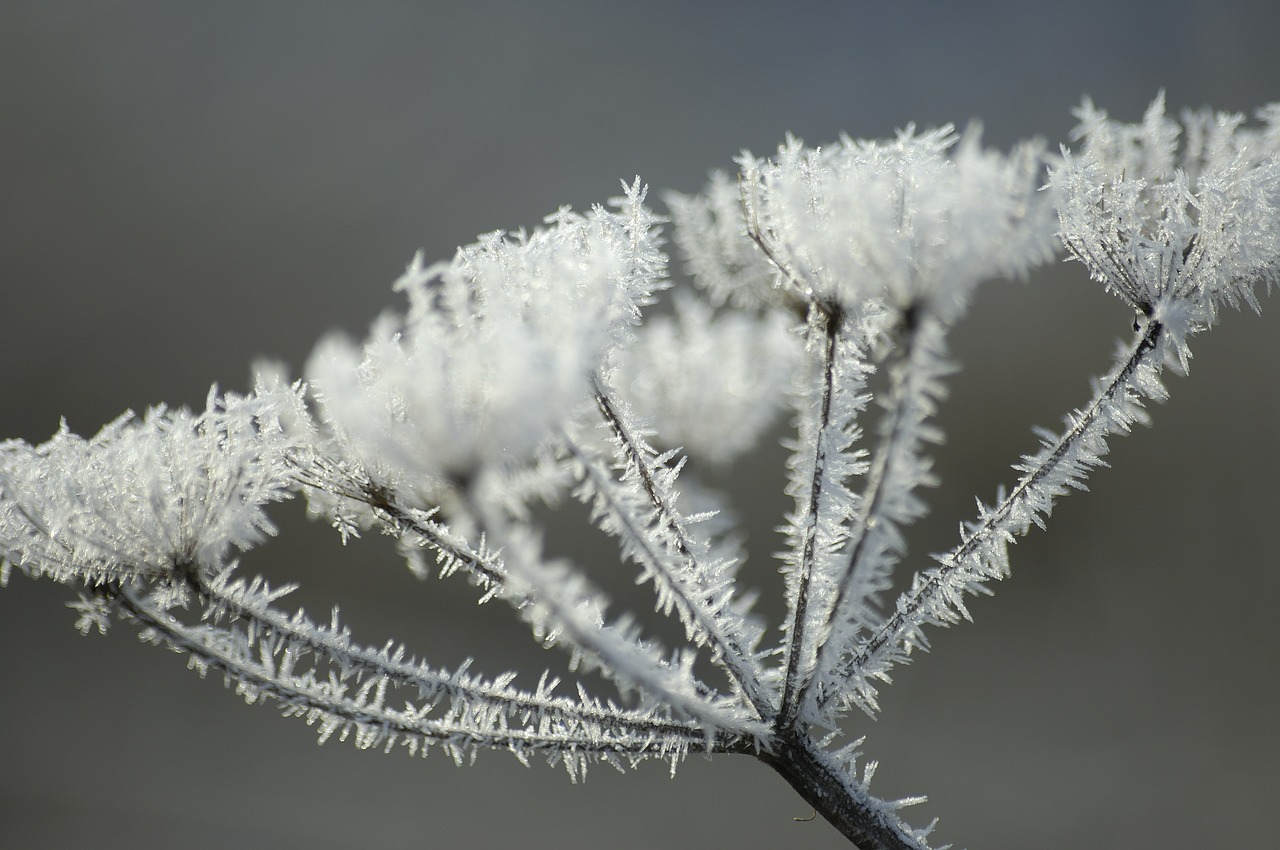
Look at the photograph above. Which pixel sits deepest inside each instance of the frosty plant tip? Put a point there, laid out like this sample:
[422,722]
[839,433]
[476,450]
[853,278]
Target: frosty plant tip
[524,370]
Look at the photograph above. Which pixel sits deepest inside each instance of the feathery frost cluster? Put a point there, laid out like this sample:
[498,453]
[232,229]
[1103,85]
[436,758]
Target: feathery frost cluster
[522,371]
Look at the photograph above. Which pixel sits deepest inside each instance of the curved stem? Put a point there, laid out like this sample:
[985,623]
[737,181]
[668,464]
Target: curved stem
[319,699]
[235,602]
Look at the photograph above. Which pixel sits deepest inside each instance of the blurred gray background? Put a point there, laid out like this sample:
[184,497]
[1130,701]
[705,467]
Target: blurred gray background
[187,187]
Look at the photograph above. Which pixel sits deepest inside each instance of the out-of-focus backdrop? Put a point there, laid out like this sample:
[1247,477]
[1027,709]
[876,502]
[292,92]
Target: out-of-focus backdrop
[189,187]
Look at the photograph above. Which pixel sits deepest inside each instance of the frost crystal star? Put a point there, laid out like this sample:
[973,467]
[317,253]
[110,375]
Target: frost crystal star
[522,371]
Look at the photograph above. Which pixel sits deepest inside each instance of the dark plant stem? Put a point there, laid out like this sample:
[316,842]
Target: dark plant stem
[833,794]
[830,318]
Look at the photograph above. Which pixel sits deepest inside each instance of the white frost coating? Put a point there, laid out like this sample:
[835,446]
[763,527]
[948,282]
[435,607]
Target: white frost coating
[1177,228]
[831,279]
[711,384]
[1174,233]
[917,221]
[711,233]
[496,347]
[146,495]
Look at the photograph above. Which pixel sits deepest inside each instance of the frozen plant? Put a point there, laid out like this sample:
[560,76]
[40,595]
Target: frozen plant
[524,370]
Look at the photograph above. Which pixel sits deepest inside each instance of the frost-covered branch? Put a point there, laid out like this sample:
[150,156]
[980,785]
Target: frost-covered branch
[823,461]
[689,578]
[829,782]
[563,605]
[936,596]
[888,501]
[235,600]
[523,369]
[1173,246]
[261,662]
[889,234]
[554,597]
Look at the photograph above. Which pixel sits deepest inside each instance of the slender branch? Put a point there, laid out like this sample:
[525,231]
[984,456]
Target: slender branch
[377,724]
[565,604]
[910,372]
[755,232]
[701,606]
[829,320]
[943,585]
[559,604]
[403,520]
[231,601]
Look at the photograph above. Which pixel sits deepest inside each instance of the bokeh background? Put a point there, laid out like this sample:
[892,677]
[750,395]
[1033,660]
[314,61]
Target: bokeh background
[187,187]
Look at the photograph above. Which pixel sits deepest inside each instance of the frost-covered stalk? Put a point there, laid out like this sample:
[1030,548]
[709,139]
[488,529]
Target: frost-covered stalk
[522,371]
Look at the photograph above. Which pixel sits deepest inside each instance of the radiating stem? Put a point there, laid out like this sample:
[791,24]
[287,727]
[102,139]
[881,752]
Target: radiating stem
[904,621]
[799,663]
[733,655]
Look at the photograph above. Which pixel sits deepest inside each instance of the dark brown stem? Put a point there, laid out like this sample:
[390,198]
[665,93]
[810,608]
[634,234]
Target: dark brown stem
[831,318]
[833,794]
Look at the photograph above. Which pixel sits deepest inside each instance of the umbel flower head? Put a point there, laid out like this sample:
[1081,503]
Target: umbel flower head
[1174,218]
[146,496]
[916,221]
[712,383]
[497,346]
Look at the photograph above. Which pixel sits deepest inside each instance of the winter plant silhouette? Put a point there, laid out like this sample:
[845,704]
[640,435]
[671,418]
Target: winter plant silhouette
[522,370]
